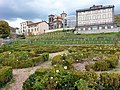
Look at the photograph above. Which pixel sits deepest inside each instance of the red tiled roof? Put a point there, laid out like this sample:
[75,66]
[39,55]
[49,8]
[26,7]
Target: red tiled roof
[59,17]
[36,23]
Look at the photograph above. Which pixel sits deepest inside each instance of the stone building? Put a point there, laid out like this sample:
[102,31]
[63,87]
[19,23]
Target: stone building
[56,21]
[95,18]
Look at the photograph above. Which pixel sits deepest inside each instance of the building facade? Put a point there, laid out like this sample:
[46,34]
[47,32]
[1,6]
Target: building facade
[56,21]
[37,28]
[71,21]
[24,26]
[31,28]
[95,18]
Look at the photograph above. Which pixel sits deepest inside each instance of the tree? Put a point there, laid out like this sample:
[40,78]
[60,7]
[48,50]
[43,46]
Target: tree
[4,29]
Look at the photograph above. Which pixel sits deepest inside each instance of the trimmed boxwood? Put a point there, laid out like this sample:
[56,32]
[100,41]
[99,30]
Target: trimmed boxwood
[5,75]
[101,66]
[29,62]
[46,79]
[109,81]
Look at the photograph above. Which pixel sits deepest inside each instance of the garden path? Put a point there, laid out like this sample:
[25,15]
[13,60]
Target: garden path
[20,75]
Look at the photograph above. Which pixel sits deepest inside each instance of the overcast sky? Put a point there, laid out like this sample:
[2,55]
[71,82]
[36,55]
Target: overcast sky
[16,11]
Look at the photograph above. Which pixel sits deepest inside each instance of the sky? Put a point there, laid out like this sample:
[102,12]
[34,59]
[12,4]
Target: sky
[17,11]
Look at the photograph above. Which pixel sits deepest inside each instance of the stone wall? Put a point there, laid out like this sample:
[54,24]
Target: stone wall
[98,31]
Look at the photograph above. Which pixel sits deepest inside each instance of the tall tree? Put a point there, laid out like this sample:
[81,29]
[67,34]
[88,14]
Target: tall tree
[4,29]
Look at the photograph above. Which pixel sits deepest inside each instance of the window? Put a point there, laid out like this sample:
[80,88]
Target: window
[84,29]
[100,27]
[79,29]
[93,17]
[104,10]
[111,26]
[98,16]
[89,28]
[104,16]
[106,27]
[109,15]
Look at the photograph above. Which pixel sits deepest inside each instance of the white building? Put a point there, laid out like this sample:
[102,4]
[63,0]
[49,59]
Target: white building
[30,28]
[37,28]
[24,27]
[95,18]
[71,21]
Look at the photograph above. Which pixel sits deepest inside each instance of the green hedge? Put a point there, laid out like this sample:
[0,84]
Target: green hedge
[5,75]
[29,62]
[106,64]
[63,61]
[53,80]
[46,79]
[109,81]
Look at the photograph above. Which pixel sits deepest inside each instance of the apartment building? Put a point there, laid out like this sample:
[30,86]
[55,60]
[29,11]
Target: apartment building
[95,18]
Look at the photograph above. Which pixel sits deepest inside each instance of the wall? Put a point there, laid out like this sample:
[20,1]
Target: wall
[98,31]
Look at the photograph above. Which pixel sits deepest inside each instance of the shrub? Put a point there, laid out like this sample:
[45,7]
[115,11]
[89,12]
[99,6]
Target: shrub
[60,79]
[90,77]
[82,85]
[23,60]
[112,61]
[110,81]
[57,60]
[5,75]
[62,60]
[88,67]
[45,56]
[101,66]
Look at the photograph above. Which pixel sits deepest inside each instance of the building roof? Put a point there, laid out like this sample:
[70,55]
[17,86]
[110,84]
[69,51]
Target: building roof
[98,7]
[36,23]
[13,29]
[58,17]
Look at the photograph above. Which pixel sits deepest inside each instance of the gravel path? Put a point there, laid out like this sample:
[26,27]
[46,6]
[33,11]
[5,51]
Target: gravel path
[21,75]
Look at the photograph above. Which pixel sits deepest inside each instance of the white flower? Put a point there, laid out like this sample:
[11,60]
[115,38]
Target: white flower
[51,77]
[77,60]
[17,59]
[57,71]
[56,82]
[9,52]
[63,60]
[55,65]
[65,84]
[65,67]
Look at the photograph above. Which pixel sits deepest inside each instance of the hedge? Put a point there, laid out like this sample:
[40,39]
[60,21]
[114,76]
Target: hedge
[30,62]
[5,75]
[46,79]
